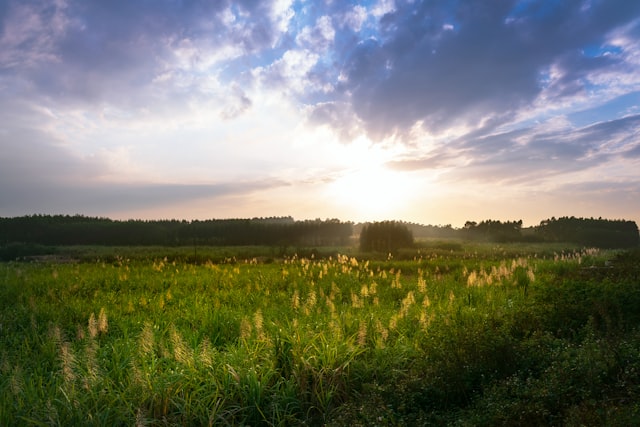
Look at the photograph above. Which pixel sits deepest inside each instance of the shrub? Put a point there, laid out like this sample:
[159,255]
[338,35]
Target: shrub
[385,236]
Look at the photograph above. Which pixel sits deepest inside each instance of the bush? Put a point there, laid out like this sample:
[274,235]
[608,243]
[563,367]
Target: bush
[385,236]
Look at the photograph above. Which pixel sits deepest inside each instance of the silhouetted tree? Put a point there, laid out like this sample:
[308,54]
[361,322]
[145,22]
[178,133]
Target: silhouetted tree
[81,230]
[599,232]
[385,236]
[493,231]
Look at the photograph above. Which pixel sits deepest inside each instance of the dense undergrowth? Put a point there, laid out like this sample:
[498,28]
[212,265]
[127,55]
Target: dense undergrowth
[471,336]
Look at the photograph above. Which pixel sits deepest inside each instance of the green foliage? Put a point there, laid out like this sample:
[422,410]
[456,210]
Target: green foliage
[494,231]
[81,230]
[599,232]
[385,236]
[482,335]
[17,251]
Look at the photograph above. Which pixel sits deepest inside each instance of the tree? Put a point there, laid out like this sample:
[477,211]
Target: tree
[385,236]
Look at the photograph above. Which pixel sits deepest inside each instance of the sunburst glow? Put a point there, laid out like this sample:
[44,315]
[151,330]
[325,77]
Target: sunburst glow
[372,192]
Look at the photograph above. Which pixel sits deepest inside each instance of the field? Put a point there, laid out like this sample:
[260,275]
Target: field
[448,335]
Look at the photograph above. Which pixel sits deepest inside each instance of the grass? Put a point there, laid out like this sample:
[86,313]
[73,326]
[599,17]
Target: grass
[471,335]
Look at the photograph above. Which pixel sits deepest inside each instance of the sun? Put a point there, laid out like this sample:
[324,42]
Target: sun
[372,192]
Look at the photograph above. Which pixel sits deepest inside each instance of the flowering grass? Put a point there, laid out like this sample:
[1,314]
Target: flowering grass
[481,336]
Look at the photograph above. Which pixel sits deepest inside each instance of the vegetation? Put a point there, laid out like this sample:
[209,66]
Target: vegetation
[497,231]
[481,335]
[37,234]
[81,230]
[386,236]
[591,232]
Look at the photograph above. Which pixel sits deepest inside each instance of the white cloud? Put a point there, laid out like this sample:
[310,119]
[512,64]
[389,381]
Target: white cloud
[356,18]
[382,7]
[289,73]
[319,37]
[281,15]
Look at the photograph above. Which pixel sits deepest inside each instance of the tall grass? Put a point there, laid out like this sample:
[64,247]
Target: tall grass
[433,339]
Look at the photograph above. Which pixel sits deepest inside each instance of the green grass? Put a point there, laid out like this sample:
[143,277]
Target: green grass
[464,335]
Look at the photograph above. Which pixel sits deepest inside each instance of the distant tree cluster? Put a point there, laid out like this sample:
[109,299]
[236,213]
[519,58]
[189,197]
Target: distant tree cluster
[81,230]
[603,233]
[599,232]
[385,236]
[421,230]
[495,231]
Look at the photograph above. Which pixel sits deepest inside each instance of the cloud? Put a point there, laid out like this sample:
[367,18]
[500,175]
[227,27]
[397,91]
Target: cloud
[633,152]
[428,162]
[609,199]
[289,74]
[319,37]
[102,198]
[179,98]
[531,156]
[112,52]
[41,172]
[30,157]
[470,61]
[355,18]
[37,172]
[337,115]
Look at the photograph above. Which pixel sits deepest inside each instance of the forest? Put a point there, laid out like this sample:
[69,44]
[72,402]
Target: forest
[55,230]
[82,230]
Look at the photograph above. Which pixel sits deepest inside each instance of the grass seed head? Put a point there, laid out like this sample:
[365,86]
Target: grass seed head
[68,362]
[146,339]
[245,328]
[103,322]
[362,334]
[92,326]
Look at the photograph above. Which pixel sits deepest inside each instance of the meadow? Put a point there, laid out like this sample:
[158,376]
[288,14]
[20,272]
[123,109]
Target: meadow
[452,334]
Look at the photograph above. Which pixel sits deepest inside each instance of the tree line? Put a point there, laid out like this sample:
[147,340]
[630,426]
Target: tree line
[285,231]
[82,230]
[602,233]
[388,236]
[590,232]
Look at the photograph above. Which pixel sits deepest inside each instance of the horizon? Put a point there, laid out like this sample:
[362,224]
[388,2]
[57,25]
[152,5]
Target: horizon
[342,220]
[425,113]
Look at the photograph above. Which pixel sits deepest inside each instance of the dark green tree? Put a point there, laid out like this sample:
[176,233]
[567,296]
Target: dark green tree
[385,236]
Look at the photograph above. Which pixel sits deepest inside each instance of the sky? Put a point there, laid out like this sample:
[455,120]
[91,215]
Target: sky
[435,112]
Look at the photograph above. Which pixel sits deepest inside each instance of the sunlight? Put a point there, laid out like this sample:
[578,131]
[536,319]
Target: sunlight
[372,192]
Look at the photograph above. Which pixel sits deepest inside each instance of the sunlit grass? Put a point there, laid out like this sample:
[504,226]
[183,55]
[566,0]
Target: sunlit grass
[155,341]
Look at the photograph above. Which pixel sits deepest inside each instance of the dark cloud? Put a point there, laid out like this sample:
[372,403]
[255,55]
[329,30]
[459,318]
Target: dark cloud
[472,60]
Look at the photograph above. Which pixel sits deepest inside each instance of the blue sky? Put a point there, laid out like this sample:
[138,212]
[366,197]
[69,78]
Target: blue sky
[435,112]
